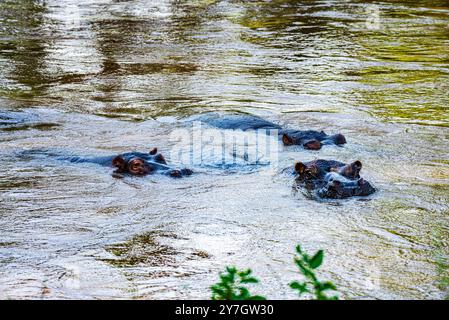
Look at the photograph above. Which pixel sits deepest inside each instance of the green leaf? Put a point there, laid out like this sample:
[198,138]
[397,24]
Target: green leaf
[321,296]
[244,273]
[217,289]
[317,259]
[231,270]
[257,298]
[301,287]
[249,280]
[227,278]
[244,293]
[327,286]
[296,285]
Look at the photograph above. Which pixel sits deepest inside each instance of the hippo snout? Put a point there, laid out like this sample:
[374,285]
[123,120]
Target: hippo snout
[339,138]
[139,167]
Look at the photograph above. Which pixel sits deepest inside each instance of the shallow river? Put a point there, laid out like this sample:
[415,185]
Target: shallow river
[104,77]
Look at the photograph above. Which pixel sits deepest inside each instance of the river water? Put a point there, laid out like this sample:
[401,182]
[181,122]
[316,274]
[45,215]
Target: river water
[104,77]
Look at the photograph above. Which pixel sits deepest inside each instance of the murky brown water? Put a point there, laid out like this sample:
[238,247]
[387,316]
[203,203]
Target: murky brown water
[100,77]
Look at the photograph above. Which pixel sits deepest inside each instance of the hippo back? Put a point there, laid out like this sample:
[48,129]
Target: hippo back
[235,121]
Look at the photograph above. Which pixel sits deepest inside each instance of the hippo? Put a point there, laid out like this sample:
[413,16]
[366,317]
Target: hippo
[332,179]
[309,139]
[130,163]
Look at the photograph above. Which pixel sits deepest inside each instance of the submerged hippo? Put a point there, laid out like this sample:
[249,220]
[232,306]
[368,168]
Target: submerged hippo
[130,163]
[309,139]
[332,179]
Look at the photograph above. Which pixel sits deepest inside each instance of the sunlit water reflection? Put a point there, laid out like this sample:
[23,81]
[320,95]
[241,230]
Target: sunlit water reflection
[103,77]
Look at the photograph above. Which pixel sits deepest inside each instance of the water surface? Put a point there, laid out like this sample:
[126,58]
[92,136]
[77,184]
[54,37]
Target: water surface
[103,77]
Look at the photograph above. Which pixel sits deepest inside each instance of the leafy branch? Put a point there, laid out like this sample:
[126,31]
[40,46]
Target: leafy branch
[231,285]
[232,282]
[311,284]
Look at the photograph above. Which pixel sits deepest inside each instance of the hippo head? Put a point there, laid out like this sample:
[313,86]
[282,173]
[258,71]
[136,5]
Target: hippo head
[138,163]
[141,164]
[135,166]
[311,140]
[296,139]
[336,183]
[336,186]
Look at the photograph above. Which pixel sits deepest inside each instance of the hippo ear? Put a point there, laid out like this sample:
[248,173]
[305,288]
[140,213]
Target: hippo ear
[153,151]
[300,168]
[119,163]
[160,159]
[287,140]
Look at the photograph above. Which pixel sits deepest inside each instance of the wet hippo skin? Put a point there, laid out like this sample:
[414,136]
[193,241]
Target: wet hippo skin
[332,179]
[136,164]
[130,163]
[309,139]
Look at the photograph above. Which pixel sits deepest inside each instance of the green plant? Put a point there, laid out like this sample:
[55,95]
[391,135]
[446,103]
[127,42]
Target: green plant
[231,285]
[311,285]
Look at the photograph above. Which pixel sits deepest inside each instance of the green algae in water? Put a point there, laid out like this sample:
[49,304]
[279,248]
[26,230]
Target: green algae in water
[146,249]
[141,250]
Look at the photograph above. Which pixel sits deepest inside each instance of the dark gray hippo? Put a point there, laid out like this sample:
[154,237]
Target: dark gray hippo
[309,139]
[332,179]
[130,163]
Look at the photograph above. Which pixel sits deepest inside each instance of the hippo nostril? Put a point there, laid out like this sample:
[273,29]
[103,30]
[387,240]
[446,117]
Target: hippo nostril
[175,173]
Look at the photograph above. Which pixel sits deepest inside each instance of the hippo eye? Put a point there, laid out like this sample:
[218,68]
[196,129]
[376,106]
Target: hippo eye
[309,174]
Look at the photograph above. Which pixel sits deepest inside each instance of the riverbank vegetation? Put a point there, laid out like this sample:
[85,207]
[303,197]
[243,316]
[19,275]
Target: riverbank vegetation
[232,284]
